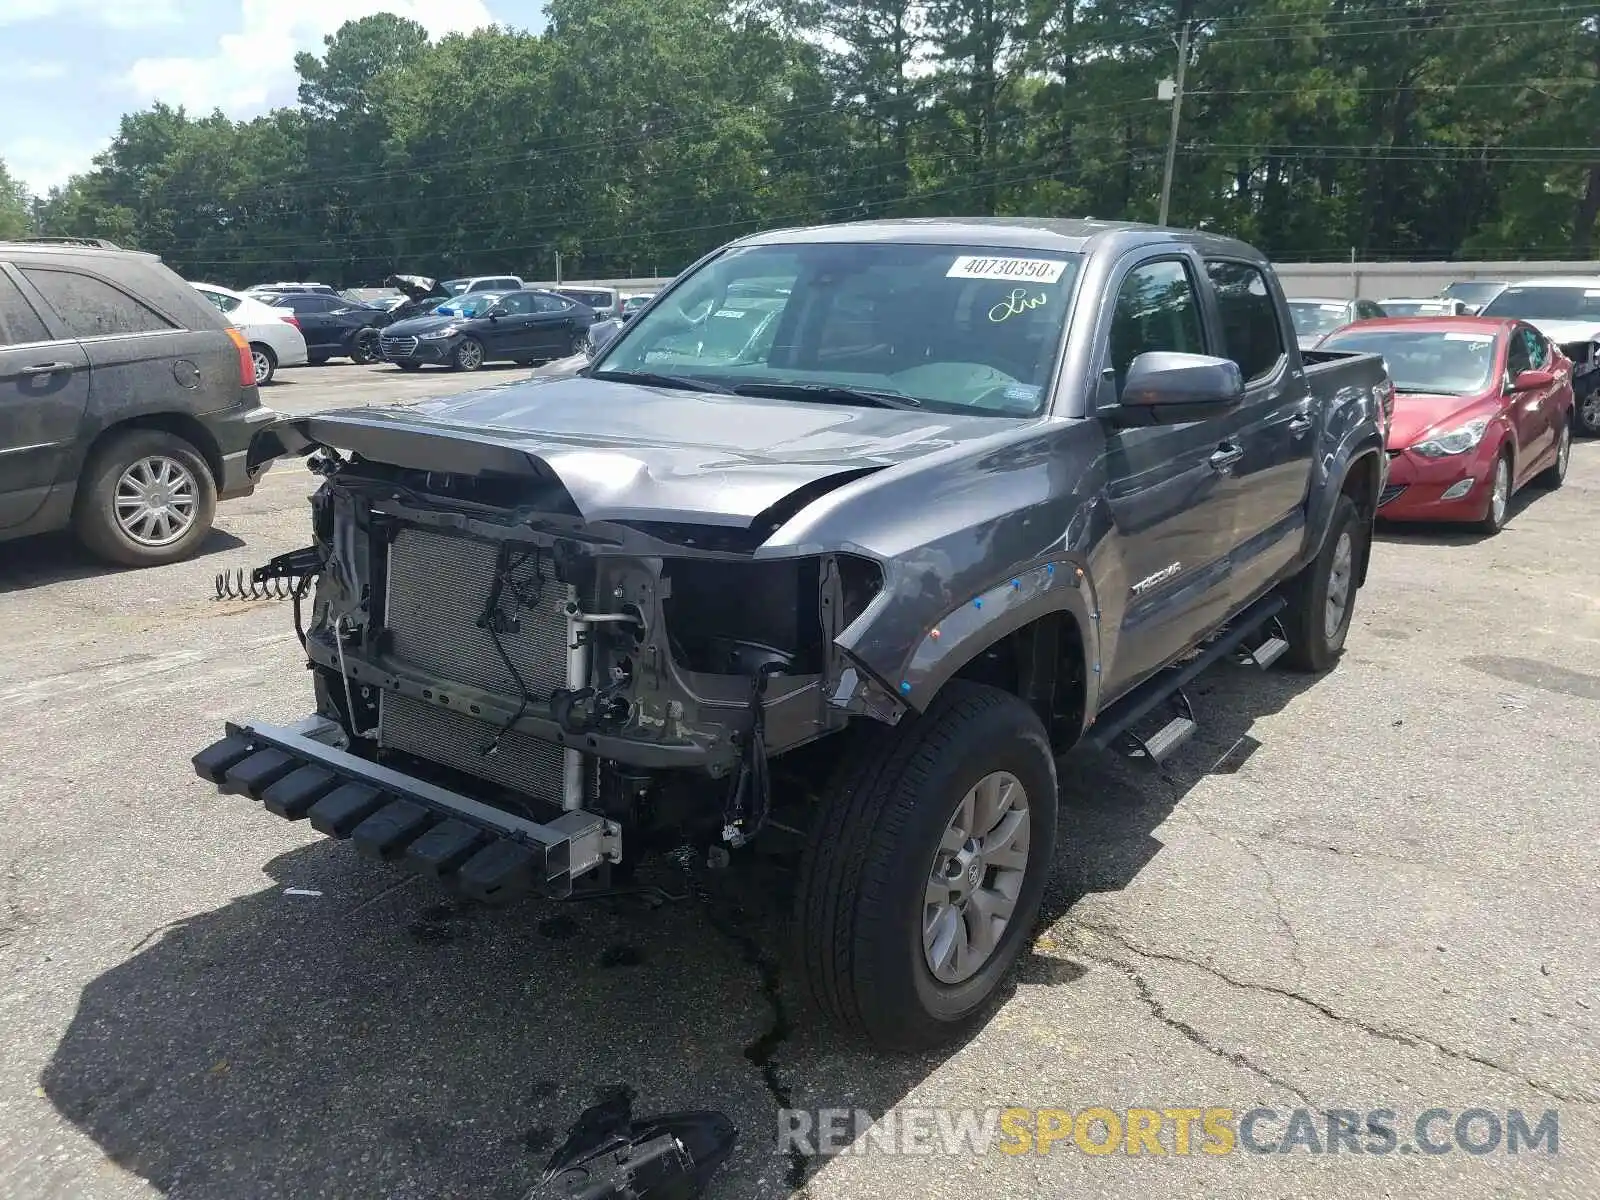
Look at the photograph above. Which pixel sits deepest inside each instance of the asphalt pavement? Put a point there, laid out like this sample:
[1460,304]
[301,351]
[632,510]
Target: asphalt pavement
[1367,890]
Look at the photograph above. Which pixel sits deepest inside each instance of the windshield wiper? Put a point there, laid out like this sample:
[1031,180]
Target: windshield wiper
[829,393]
[656,379]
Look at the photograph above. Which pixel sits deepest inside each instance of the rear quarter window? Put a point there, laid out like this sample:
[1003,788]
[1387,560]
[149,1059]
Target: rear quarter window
[91,307]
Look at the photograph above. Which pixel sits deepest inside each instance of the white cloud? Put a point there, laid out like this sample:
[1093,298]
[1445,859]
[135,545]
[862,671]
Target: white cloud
[115,14]
[256,65]
[43,163]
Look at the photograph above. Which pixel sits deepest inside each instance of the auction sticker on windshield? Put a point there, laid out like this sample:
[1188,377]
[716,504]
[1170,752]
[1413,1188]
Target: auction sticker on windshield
[1025,270]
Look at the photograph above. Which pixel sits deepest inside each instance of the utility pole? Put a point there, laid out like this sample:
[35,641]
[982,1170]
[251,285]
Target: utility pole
[558,268]
[1177,112]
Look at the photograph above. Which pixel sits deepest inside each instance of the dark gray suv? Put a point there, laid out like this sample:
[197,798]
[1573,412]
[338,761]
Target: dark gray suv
[127,402]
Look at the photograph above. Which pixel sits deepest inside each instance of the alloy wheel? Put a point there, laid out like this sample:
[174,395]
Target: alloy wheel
[1340,572]
[155,501]
[975,878]
[262,364]
[1500,497]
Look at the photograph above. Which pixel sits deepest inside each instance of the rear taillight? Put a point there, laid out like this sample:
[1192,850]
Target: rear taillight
[247,365]
[295,321]
[1388,403]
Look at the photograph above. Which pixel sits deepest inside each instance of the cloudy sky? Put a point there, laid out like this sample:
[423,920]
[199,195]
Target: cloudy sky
[73,67]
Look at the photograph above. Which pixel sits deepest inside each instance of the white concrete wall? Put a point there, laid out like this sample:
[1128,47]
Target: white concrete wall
[1374,281]
[1371,280]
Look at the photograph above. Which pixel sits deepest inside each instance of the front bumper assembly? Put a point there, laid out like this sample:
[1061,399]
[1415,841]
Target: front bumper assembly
[299,772]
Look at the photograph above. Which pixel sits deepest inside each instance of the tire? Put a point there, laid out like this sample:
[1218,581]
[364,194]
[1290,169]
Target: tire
[1498,506]
[582,344]
[120,471]
[1314,646]
[1586,414]
[264,361]
[364,347]
[317,360]
[409,366]
[858,923]
[1555,474]
[468,355]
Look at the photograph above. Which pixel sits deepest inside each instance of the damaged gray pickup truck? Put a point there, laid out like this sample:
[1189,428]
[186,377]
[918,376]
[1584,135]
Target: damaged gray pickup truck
[836,547]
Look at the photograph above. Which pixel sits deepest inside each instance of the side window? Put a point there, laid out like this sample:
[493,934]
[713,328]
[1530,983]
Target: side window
[1156,309]
[517,304]
[1538,348]
[19,324]
[91,307]
[226,303]
[551,304]
[1518,359]
[1251,335]
[1366,310]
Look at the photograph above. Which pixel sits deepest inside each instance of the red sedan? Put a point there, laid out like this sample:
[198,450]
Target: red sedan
[1482,407]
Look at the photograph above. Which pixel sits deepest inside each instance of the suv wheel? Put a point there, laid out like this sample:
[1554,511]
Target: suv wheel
[925,867]
[1322,598]
[146,498]
[1587,414]
[265,362]
[468,355]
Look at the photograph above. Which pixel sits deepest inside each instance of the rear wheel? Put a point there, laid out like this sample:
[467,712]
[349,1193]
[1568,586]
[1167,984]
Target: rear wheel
[146,498]
[1499,502]
[1321,599]
[264,361]
[1555,474]
[468,355]
[925,868]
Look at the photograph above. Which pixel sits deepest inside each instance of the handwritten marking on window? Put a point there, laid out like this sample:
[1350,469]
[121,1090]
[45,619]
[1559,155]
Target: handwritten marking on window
[1017,302]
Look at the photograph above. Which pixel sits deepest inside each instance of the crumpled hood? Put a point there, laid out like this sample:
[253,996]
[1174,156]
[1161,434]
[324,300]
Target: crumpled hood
[626,452]
[1416,415]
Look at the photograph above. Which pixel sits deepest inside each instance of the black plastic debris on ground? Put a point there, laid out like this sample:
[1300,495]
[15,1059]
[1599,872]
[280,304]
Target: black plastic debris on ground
[610,1156]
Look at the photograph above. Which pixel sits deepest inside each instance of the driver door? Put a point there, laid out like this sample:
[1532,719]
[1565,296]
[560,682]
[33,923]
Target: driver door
[1529,411]
[510,334]
[1168,488]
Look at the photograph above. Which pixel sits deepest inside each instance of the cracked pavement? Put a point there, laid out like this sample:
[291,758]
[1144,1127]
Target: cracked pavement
[1368,890]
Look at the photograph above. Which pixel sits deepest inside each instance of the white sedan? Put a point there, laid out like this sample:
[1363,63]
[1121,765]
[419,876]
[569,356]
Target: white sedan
[274,334]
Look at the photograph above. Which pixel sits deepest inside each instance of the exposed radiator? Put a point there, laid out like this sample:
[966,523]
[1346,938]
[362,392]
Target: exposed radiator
[452,739]
[438,586]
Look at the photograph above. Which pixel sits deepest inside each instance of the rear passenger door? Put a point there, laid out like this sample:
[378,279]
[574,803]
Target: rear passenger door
[324,334]
[1166,486]
[1275,427]
[44,390]
[554,324]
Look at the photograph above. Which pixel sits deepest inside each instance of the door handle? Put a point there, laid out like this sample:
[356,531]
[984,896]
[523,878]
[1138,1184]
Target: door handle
[52,368]
[1299,423]
[1225,456]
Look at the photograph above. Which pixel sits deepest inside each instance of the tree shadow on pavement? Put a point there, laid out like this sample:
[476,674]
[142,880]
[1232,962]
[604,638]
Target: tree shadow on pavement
[379,1038]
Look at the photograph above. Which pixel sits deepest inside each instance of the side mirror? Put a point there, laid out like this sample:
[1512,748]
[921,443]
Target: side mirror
[1532,381]
[494,314]
[1165,387]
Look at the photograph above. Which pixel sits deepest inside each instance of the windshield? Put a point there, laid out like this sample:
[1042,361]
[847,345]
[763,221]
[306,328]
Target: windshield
[1313,318]
[456,286]
[952,328]
[473,305]
[1473,291]
[1565,302]
[1452,363]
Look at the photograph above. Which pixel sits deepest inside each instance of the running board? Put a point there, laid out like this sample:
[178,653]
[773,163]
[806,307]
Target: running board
[1268,652]
[1166,741]
[1122,716]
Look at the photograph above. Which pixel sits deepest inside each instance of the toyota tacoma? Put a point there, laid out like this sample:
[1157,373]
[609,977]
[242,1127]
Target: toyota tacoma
[983,491]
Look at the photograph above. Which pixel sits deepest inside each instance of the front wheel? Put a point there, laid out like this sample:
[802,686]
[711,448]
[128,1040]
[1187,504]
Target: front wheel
[583,344]
[925,867]
[1587,414]
[1322,598]
[364,347]
[468,355]
[1498,506]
